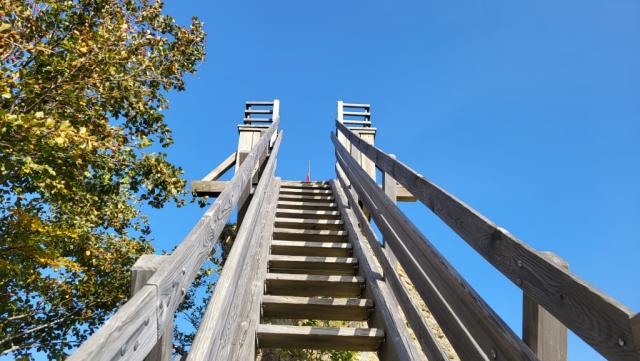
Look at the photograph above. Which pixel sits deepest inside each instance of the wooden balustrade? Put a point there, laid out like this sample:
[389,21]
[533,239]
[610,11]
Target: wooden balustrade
[606,325]
[139,324]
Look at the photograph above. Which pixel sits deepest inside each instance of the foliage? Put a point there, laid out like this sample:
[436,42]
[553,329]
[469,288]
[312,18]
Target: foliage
[82,86]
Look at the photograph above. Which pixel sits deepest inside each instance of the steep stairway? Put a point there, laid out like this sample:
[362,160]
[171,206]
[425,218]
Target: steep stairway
[313,275]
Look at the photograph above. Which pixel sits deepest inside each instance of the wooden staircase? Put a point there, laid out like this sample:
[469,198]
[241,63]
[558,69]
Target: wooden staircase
[312,275]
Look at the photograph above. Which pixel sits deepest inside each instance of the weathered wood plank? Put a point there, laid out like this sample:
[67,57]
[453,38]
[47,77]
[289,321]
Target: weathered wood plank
[545,335]
[597,318]
[422,331]
[316,308]
[471,325]
[313,285]
[308,213]
[309,235]
[305,198]
[301,223]
[326,206]
[141,271]
[315,265]
[131,324]
[208,188]
[222,168]
[344,338]
[386,298]
[297,248]
[226,326]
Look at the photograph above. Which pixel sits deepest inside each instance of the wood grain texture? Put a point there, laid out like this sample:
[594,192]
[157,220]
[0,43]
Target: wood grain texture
[141,271]
[208,188]
[399,344]
[470,324]
[316,308]
[227,327]
[308,214]
[324,338]
[297,248]
[309,235]
[597,318]
[318,224]
[222,168]
[131,324]
[285,284]
[423,333]
[545,335]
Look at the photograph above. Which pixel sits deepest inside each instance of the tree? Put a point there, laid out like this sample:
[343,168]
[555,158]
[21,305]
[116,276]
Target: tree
[82,87]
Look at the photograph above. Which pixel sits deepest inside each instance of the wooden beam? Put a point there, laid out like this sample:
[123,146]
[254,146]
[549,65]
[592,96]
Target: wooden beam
[228,325]
[598,319]
[208,188]
[545,335]
[135,328]
[470,324]
[323,338]
[399,344]
[316,308]
[141,271]
[222,168]
[424,335]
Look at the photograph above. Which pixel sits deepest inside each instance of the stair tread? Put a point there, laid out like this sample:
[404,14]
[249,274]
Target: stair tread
[308,213]
[310,234]
[316,308]
[314,259]
[331,338]
[303,244]
[282,222]
[305,191]
[288,284]
[305,198]
[307,248]
[303,205]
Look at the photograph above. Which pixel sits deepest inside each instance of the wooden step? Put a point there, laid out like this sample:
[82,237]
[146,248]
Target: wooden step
[309,235]
[306,191]
[316,308]
[298,248]
[326,206]
[319,338]
[285,284]
[305,185]
[308,214]
[301,223]
[305,198]
[312,265]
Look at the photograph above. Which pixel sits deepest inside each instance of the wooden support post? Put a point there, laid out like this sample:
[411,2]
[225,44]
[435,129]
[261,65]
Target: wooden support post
[543,333]
[141,272]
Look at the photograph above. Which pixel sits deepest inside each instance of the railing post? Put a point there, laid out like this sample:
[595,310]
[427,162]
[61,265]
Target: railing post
[141,272]
[258,116]
[543,333]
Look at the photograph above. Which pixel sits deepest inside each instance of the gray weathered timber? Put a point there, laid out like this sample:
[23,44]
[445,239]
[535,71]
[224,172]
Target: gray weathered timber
[598,319]
[208,188]
[468,321]
[545,335]
[222,168]
[327,338]
[316,308]
[297,248]
[141,271]
[286,284]
[226,326]
[133,330]
[399,344]
[424,334]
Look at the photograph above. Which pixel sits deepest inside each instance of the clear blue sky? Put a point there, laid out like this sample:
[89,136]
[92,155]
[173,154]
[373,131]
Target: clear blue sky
[528,111]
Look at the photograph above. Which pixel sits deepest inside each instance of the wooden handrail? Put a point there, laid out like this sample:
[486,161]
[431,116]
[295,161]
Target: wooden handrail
[474,329]
[421,330]
[136,327]
[227,328]
[602,322]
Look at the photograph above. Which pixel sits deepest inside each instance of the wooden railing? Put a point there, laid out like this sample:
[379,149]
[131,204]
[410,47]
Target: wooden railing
[475,331]
[133,331]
